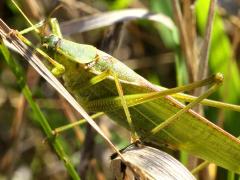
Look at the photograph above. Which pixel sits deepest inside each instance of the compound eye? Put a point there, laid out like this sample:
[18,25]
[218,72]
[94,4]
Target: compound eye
[50,41]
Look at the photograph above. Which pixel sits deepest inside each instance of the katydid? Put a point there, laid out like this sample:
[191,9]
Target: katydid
[92,76]
[157,117]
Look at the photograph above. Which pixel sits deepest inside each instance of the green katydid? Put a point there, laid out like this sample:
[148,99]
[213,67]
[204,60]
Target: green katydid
[96,90]
[91,76]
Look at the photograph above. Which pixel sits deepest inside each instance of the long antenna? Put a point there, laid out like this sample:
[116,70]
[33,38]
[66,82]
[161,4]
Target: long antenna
[27,19]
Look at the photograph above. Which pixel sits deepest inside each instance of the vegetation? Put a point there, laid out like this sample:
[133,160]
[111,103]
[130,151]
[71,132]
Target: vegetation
[179,46]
